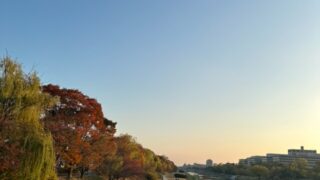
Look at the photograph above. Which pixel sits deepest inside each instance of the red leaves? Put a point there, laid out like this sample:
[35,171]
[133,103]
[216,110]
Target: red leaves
[84,138]
[77,122]
[10,149]
[9,153]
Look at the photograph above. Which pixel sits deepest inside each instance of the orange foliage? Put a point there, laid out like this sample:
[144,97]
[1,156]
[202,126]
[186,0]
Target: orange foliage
[82,136]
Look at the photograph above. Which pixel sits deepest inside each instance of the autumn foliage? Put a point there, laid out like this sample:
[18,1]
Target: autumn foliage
[81,134]
[84,140]
[48,129]
[26,149]
[132,160]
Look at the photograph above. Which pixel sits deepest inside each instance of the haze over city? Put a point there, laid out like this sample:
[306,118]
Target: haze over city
[213,79]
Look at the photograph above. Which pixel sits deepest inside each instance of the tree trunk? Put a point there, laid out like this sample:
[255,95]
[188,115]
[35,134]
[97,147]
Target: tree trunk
[70,173]
[82,171]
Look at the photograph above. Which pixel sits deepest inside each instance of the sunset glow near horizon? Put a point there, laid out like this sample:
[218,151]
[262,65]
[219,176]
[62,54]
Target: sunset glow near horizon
[191,80]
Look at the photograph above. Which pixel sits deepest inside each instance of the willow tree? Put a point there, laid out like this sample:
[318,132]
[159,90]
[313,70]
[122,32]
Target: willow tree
[21,105]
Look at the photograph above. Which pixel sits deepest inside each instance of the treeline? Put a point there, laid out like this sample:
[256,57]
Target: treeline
[46,131]
[298,169]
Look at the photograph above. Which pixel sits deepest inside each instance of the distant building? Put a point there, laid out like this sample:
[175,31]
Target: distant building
[310,155]
[253,160]
[196,165]
[209,163]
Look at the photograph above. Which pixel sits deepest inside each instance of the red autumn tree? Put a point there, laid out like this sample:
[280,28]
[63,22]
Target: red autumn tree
[82,136]
[10,150]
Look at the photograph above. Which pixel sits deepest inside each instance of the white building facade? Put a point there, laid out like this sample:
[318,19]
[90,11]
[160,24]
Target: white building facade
[310,155]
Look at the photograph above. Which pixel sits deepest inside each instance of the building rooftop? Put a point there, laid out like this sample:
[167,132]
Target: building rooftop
[310,155]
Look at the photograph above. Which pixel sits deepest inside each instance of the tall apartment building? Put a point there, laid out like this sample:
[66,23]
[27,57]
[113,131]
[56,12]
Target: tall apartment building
[310,155]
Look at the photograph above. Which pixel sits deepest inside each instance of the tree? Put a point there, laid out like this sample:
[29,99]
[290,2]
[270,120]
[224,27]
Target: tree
[299,168]
[81,134]
[316,170]
[26,150]
[150,164]
[132,160]
[260,171]
[130,152]
[111,166]
[164,164]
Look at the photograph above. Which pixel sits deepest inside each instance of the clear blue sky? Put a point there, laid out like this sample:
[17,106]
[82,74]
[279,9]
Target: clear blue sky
[190,79]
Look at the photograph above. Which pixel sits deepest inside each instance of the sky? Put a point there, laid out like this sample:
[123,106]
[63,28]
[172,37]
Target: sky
[189,79]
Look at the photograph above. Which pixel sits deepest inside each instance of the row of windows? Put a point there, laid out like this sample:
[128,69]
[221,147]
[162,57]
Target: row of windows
[281,159]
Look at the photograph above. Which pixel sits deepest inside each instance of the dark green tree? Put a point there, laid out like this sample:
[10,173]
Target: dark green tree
[260,171]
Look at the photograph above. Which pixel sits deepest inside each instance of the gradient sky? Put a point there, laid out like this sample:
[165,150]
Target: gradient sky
[189,79]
